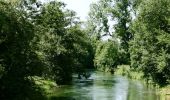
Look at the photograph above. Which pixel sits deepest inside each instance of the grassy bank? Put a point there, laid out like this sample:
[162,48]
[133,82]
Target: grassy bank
[49,87]
[125,70]
[46,86]
[165,92]
[104,69]
[133,74]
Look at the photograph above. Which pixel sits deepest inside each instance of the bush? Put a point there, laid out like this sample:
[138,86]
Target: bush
[125,70]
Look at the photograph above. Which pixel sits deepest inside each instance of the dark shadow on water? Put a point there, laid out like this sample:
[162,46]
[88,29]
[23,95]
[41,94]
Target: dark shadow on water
[69,98]
[84,82]
[104,87]
[61,98]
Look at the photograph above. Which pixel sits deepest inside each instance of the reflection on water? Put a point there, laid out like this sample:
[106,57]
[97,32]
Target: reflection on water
[103,86]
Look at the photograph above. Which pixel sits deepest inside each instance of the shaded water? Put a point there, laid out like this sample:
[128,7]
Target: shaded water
[103,86]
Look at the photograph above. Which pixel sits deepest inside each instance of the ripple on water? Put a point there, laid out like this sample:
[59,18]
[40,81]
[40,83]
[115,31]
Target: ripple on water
[103,86]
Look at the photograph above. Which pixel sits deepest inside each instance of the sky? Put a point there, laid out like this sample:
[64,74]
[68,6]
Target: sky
[81,7]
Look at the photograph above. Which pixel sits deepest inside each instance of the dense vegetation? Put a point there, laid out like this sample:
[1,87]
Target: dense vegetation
[141,32]
[106,56]
[150,45]
[141,28]
[47,41]
[42,40]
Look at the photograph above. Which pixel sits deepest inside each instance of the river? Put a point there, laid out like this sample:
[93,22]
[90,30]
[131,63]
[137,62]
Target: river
[103,86]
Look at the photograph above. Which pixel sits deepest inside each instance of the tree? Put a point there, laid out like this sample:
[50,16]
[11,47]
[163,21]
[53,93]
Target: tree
[65,46]
[18,58]
[39,40]
[106,56]
[97,24]
[54,43]
[117,12]
[121,14]
[150,46]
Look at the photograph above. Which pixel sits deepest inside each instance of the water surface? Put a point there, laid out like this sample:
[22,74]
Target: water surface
[103,86]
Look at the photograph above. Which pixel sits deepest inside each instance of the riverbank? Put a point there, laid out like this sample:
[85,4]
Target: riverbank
[104,86]
[165,92]
[50,88]
[46,86]
[125,70]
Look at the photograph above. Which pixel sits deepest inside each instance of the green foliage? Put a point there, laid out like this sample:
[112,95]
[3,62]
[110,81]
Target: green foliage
[65,47]
[53,42]
[83,50]
[47,40]
[46,85]
[106,56]
[117,12]
[98,21]
[18,58]
[121,13]
[150,47]
[125,70]
[39,40]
